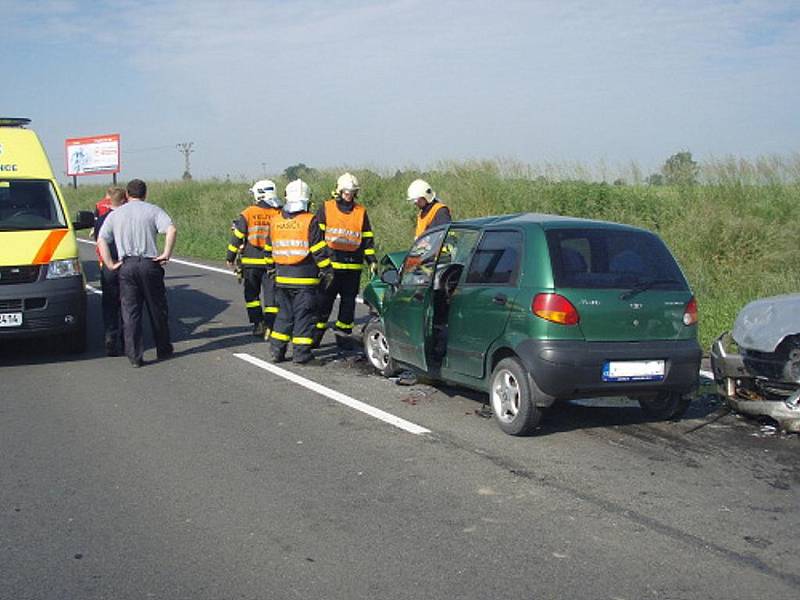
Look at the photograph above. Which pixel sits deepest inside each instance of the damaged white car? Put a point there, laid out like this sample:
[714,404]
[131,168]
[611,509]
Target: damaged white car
[757,365]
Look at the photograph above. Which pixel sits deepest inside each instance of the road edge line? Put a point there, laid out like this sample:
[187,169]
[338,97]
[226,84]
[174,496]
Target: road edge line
[334,395]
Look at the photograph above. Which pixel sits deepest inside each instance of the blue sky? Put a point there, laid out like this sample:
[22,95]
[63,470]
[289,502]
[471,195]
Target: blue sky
[404,83]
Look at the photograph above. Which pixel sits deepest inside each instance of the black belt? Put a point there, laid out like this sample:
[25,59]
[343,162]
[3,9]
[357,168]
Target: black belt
[137,258]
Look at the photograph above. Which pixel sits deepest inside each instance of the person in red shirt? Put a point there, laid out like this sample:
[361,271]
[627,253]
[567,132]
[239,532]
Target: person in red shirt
[109,279]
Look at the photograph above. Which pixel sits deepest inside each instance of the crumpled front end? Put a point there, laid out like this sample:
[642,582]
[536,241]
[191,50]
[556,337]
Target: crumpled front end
[760,383]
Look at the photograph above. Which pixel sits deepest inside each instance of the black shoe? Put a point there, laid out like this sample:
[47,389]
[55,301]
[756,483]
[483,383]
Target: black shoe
[304,359]
[259,329]
[277,357]
[406,378]
[136,363]
[165,355]
[112,347]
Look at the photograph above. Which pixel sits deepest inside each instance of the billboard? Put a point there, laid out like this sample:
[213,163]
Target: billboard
[96,155]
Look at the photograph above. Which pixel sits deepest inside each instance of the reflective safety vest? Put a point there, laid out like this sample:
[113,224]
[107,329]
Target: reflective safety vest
[343,230]
[424,222]
[289,238]
[258,219]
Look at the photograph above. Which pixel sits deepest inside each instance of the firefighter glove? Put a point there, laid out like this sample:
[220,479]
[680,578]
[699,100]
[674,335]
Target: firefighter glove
[326,278]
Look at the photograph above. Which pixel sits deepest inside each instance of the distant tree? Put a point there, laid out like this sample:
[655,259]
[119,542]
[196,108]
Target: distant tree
[655,179]
[680,169]
[298,171]
[619,181]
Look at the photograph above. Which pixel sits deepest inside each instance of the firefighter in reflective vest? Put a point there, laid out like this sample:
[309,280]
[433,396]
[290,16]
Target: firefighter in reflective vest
[349,236]
[301,262]
[432,211]
[249,236]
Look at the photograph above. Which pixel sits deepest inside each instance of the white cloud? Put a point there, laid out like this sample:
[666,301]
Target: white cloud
[411,81]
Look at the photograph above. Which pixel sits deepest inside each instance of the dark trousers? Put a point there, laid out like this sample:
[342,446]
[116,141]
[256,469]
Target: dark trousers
[345,285]
[112,319]
[141,283]
[257,286]
[294,322]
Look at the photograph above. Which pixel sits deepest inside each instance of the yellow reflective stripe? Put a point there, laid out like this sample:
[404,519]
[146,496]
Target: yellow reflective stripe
[318,246]
[233,248]
[238,233]
[322,226]
[302,341]
[348,266]
[298,280]
[253,303]
[322,325]
[269,261]
[253,261]
[341,325]
[267,247]
[281,337]
[367,234]
[271,309]
[324,263]
[369,251]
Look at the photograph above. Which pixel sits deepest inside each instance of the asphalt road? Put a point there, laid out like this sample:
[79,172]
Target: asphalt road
[210,477]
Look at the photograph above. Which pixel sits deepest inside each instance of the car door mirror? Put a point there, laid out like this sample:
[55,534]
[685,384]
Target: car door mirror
[391,277]
[84,219]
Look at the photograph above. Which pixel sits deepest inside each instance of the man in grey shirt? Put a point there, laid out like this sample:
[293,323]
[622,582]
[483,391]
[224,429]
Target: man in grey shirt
[133,229]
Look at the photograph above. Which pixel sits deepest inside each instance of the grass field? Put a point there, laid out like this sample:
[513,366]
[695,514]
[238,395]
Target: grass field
[735,235]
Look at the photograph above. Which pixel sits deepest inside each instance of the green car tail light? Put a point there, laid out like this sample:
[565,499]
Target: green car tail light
[555,308]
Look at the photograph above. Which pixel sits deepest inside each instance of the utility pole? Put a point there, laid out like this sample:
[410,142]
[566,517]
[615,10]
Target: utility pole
[264,168]
[186,149]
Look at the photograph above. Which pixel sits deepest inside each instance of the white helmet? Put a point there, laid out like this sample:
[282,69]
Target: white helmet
[298,195]
[347,183]
[421,189]
[264,191]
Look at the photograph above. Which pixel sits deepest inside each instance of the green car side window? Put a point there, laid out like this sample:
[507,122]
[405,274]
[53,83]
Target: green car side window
[458,246]
[421,259]
[496,261]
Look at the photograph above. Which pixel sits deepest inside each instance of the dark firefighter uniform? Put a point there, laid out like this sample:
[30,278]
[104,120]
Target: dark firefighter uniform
[249,237]
[299,254]
[351,241]
[435,213]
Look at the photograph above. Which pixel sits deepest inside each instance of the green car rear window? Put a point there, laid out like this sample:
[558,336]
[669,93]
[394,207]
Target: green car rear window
[612,259]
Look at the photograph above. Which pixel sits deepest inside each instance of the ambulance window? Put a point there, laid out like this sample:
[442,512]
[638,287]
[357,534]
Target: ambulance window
[29,204]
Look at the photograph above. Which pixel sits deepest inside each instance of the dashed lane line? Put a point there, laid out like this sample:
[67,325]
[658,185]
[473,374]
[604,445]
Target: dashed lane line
[334,395]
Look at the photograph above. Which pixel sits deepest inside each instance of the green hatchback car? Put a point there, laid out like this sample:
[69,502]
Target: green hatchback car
[535,308]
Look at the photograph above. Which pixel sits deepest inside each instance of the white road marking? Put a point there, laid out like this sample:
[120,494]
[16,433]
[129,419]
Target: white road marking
[334,395]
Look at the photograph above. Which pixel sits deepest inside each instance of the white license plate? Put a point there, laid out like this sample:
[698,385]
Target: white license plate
[633,370]
[10,319]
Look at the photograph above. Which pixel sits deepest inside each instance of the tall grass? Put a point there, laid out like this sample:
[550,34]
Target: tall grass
[734,234]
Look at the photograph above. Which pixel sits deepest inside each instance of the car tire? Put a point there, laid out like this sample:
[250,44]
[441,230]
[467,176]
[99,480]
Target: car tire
[665,405]
[376,349]
[512,398]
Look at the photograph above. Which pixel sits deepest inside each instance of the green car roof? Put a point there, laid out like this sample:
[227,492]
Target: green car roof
[546,221]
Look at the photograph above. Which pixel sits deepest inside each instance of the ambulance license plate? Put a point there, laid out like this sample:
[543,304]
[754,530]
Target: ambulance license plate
[633,370]
[10,319]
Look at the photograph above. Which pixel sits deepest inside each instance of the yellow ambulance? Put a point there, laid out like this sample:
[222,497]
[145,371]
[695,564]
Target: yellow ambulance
[42,287]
